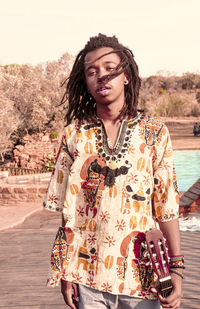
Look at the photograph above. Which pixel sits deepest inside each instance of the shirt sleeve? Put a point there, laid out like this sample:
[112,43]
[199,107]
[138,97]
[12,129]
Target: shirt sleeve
[165,196]
[55,196]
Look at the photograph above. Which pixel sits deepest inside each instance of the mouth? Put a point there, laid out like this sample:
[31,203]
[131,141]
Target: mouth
[103,90]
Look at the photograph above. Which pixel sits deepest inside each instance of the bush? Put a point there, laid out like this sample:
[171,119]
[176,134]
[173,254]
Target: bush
[198,97]
[195,112]
[161,110]
[50,164]
[170,106]
[187,81]
[175,107]
[54,135]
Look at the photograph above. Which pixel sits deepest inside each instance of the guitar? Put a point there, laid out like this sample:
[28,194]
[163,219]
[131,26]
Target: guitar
[159,258]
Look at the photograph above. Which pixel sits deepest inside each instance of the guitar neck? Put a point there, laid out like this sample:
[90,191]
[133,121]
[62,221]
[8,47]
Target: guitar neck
[165,286]
[159,259]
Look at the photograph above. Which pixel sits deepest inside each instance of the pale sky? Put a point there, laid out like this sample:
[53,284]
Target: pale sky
[164,35]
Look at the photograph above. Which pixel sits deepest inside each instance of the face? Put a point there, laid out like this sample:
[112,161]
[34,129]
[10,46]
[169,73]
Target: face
[97,65]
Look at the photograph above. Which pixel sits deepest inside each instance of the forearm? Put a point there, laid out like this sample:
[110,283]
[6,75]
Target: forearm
[171,233]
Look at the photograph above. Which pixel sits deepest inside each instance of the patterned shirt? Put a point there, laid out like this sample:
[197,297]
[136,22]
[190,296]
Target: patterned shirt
[109,198]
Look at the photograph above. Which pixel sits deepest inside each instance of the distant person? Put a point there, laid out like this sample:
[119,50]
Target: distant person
[113,176]
[196,129]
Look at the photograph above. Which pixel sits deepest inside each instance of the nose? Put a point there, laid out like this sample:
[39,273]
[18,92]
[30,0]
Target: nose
[102,76]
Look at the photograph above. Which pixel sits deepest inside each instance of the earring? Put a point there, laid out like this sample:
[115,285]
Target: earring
[125,82]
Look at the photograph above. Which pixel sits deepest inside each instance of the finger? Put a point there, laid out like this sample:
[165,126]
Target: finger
[66,289]
[169,302]
[167,306]
[153,290]
[68,299]
[75,291]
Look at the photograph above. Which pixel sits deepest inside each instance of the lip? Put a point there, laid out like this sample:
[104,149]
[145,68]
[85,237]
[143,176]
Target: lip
[103,90]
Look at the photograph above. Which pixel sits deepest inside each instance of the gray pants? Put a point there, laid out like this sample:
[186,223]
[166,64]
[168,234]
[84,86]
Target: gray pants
[93,299]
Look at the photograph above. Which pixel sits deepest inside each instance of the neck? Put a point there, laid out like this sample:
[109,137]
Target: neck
[108,113]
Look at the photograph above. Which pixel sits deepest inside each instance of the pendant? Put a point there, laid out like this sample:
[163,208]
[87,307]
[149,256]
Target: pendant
[112,165]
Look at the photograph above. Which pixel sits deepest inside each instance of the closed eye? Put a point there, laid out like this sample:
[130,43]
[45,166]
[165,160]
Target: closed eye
[91,73]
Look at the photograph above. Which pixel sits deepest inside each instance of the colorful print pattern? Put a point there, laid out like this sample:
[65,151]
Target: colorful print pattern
[107,197]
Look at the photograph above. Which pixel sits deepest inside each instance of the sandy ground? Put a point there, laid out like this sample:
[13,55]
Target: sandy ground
[181,132]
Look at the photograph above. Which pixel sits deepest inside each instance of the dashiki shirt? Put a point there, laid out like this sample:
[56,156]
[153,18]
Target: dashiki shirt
[109,198]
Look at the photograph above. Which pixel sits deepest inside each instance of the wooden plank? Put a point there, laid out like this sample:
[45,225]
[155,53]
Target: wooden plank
[24,262]
[185,201]
[191,195]
[195,189]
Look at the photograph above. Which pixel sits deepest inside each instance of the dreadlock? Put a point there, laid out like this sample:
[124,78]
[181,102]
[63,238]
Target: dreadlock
[81,105]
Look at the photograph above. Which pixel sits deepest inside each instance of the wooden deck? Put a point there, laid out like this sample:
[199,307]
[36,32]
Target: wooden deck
[24,261]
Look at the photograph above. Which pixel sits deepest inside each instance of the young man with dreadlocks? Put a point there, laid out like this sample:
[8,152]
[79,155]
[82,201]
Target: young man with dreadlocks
[113,177]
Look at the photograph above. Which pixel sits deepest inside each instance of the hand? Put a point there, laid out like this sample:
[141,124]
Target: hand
[173,301]
[69,291]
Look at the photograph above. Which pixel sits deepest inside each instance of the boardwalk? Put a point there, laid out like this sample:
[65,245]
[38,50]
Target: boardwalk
[24,260]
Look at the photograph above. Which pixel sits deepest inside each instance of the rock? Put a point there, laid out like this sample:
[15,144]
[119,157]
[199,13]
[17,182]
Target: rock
[35,152]
[45,138]
[19,147]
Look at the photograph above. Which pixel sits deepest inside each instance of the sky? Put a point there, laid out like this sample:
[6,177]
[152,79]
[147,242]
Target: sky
[163,35]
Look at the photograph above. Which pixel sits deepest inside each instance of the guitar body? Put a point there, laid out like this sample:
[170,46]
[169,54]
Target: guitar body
[159,258]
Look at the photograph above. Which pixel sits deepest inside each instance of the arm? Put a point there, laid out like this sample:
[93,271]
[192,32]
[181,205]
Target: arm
[170,230]
[166,207]
[54,199]
[69,290]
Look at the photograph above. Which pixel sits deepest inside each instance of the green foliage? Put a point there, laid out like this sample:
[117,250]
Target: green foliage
[162,91]
[50,164]
[161,110]
[54,135]
[170,107]
[175,107]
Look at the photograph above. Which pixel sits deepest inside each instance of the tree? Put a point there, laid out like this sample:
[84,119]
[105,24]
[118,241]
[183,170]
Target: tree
[9,121]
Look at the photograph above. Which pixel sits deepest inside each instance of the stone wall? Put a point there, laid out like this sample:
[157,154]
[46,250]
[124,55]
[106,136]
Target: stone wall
[17,190]
[15,195]
[35,151]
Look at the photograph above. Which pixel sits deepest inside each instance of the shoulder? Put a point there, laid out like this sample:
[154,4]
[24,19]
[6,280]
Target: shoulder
[153,130]
[78,130]
[153,124]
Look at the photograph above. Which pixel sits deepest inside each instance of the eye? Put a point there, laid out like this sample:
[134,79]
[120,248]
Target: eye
[110,68]
[91,73]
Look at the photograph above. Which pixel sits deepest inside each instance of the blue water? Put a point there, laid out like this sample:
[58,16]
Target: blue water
[187,164]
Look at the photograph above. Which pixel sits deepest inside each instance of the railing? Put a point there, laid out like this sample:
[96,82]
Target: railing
[14,171]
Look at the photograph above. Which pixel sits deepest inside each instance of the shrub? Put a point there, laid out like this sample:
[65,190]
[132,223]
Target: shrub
[50,164]
[54,135]
[175,107]
[198,97]
[195,112]
[161,110]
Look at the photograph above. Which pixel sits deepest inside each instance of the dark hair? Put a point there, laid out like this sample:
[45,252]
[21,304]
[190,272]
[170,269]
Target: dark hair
[81,105]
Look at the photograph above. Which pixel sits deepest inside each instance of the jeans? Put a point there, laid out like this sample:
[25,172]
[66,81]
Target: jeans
[93,299]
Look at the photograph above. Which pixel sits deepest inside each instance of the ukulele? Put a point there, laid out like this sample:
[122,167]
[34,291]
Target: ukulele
[159,258]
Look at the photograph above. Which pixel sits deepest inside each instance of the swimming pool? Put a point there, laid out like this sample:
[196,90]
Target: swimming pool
[187,164]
